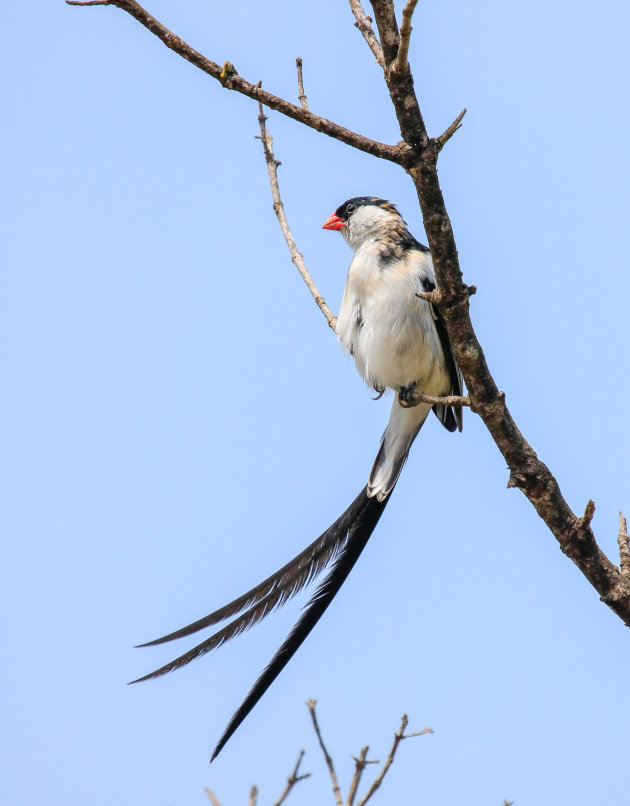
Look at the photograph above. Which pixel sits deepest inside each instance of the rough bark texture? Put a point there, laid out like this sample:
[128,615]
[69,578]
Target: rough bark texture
[527,472]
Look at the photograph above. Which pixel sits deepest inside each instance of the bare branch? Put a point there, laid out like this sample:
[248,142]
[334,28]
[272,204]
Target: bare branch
[402,93]
[363,23]
[405,36]
[292,780]
[429,296]
[587,517]
[447,400]
[527,471]
[624,546]
[210,794]
[237,83]
[398,737]
[278,207]
[329,762]
[435,297]
[302,95]
[446,135]
[360,764]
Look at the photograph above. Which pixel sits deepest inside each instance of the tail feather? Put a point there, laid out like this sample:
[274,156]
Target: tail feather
[355,528]
[342,542]
[274,591]
[268,595]
[402,429]
[234,628]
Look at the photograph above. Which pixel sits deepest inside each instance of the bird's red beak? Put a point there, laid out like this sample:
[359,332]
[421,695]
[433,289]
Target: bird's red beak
[333,222]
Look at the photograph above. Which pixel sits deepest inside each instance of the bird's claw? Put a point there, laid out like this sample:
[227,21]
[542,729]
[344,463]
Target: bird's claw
[380,394]
[406,396]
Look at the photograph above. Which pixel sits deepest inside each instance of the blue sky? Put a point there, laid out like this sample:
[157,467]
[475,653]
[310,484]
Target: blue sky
[178,421]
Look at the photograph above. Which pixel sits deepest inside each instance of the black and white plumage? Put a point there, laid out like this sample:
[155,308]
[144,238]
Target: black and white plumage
[398,341]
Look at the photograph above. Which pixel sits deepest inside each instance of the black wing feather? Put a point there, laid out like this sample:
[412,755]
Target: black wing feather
[451,417]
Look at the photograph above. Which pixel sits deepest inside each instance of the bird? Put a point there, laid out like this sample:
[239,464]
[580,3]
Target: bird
[399,343]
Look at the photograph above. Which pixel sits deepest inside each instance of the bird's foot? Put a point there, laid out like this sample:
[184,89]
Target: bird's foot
[380,393]
[406,396]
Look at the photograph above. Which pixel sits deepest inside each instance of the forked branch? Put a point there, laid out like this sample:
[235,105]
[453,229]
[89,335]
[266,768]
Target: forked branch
[361,761]
[231,80]
[398,738]
[364,24]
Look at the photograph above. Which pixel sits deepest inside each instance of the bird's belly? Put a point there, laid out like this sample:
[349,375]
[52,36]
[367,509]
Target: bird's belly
[398,353]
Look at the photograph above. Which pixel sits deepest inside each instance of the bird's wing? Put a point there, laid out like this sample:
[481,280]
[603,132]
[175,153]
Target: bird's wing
[451,417]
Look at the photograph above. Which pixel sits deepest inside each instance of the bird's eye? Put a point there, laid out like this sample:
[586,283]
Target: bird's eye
[351,208]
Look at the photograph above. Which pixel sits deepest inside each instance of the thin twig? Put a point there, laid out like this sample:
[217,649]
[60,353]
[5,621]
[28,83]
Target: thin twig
[292,780]
[448,400]
[624,546]
[429,296]
[329,762]
[278,207]
[405,36]
[363,23]
[587,517]
[394,153]
[360,764]
[398,737]
[211,796]
[253,795]
[435,296]
[302,95]
[446,135]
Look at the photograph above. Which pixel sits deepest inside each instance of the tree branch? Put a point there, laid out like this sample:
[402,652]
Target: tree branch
[447,400]
[329,762]
[301,94]
[292,780]
[231,80]
[400,85]
[363,23]
[209,793]
[360,764]
[398,737]
[278,207]
[405,36]
[527,472]
[446,135]
[624,547]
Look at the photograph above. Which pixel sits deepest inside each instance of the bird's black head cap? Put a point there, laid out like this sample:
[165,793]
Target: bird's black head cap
[349,207]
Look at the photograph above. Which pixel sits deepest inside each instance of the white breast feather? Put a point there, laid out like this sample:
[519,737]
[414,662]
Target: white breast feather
[387,329]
